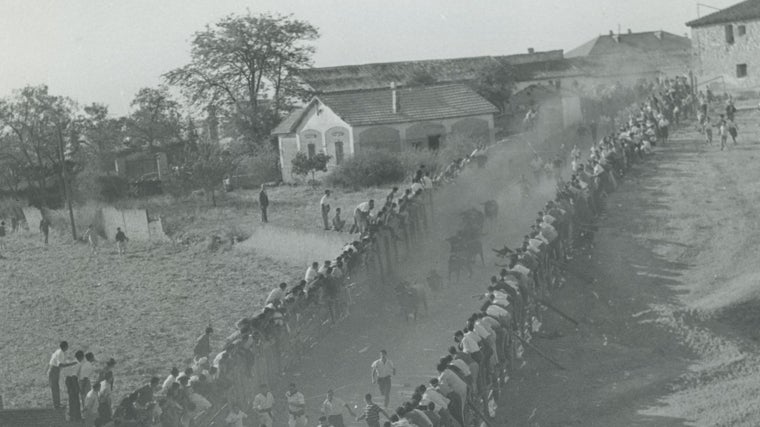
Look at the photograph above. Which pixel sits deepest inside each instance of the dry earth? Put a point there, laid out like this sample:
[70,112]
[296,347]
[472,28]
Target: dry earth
[666,298]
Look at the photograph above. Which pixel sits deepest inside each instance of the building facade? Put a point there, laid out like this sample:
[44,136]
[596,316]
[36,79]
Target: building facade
[726,46]
[628,57]
[392,119]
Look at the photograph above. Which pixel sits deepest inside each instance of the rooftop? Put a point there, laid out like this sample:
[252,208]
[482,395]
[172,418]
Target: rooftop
[643,43]
[747,10]
[532,65]
[374,106]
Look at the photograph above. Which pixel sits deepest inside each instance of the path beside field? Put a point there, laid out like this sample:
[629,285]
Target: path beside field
[666,299]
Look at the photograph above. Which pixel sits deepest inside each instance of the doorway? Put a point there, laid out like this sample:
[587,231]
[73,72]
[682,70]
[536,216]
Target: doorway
[434,142]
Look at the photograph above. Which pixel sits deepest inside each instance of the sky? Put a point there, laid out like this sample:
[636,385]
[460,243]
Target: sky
[106,50]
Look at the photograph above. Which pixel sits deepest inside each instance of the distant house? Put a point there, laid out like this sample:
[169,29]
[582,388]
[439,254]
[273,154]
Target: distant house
[135,165]
[541,79]
[628,57]
[727,47]
[342,124]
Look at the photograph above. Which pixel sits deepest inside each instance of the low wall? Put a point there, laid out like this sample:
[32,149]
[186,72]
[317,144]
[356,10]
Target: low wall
[134,222]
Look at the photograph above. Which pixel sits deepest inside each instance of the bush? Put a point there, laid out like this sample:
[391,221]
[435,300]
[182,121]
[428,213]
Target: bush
[112,188]
[368,168]
[257,169]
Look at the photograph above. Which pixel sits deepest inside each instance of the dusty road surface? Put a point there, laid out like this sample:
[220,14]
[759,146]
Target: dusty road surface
[666,298]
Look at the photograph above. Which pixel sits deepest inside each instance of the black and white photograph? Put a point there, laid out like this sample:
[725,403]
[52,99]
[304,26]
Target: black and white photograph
[380,213]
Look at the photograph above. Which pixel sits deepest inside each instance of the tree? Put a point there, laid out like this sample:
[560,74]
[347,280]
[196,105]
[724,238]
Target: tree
[41,134]
[155,120]
[205,166]
[496,82]
[102,136]
[304,165]
[240,60]
[421,77]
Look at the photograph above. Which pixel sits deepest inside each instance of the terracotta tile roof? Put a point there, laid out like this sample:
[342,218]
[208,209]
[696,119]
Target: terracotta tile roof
[745,11]
[374,107]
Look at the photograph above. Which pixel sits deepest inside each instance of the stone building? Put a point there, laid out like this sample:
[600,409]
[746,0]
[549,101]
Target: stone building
[628,57]
[341,124]
[727,48]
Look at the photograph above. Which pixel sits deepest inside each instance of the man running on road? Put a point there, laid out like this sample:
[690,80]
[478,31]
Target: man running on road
[382,371]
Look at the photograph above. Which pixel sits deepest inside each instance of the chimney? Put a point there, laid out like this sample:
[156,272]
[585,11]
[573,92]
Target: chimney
[612,33]
[629,31]
[394,99]
[531,50]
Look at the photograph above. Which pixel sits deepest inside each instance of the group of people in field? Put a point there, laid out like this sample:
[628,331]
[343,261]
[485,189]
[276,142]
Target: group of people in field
[481,354]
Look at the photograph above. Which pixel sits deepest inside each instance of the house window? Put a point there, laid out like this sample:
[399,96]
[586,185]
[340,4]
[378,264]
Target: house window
[730,34]
[338,152]
[312,150]
[741,70]
[741,30]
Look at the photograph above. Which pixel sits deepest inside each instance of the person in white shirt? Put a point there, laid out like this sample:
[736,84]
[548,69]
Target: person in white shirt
[57,362]
[90,406]
[263,403]
[296,407]
[236,416]
[277,294]
[427,182]
[324,205]
[171,379]
[382,371]
[333,407]
[311,272]
[361,216]
[85,374]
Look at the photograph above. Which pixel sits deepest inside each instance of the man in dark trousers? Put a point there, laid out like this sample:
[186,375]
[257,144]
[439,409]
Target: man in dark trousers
[72,388]
[45,228]
[263,203]
[57,362]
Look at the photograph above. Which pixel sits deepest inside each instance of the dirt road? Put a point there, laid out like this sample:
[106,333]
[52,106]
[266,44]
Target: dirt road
[665,300]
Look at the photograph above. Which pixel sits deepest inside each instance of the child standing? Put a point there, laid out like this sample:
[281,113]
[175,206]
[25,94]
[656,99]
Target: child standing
[92,239]
[121,241]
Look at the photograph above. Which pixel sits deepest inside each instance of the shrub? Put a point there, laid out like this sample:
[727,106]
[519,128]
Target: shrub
[368,168]
[257,169]
[112,188]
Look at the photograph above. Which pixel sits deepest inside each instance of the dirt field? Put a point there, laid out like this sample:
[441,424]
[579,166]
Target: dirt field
[666,299]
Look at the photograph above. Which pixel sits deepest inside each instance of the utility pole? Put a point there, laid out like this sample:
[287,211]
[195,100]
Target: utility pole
[64,179]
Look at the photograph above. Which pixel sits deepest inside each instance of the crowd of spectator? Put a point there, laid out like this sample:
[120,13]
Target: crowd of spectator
[483,352]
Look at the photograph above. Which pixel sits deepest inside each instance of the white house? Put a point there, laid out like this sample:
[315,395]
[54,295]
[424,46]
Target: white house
[341,124]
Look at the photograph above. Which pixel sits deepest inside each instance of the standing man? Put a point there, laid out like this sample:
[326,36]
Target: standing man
[263,203]
[332,408]
[58,361]
[72,388]
[45,228]
[121,241]
[296,407]
[324,204]
[382,371]
[85,373]
[263,403]
[203,344]
[372,412]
